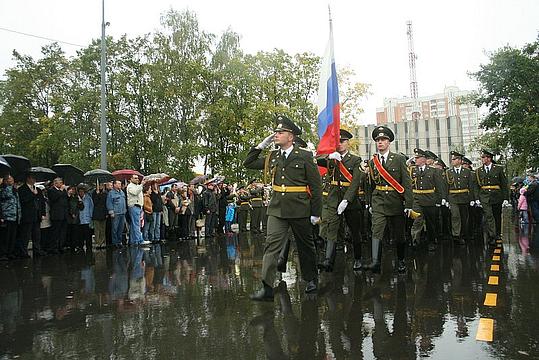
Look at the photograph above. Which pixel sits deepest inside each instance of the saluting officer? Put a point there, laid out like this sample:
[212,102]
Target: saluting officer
[460,183]
[296,203]
[427,184]
[492,192]
[389,195]
[345,177]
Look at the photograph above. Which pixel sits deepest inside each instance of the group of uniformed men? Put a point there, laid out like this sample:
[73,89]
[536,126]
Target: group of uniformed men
[396,195]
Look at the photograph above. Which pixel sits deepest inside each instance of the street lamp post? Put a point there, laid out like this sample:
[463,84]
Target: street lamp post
[103,122]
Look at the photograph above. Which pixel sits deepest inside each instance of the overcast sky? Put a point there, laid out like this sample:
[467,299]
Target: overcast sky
[451,37]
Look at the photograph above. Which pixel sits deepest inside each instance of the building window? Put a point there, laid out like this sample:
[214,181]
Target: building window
[448,123]
[437,125]
[449,141]
[416,142]
[406,128]
[428,142]
[438,142]
[415,126]
[426,125]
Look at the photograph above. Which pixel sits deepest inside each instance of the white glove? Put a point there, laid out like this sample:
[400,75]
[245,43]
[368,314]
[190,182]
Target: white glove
[472,203]
[505,203]
[342,206]
[438,205]
[478,203]
[266,142]
[447,204]
[444,202]
[407,212]
[370,210]
[335,156]
[315,220]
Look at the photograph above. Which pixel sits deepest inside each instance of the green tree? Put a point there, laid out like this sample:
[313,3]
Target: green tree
[509,88]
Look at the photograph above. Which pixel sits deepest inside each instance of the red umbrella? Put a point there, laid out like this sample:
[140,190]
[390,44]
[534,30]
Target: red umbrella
[126,174]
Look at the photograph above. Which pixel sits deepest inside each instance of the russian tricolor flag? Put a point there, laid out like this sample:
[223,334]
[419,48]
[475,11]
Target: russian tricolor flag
[329,109]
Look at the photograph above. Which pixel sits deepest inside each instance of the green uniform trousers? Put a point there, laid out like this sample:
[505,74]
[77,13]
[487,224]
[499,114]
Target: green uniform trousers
[276,238]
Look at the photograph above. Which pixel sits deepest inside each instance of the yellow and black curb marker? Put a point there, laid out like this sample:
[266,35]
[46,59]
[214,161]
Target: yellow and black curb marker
[485,331]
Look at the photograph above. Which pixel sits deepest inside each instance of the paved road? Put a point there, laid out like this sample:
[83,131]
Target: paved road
[189,301]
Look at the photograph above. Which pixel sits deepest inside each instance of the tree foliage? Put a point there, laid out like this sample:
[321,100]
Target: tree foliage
[175,97]
[510,92]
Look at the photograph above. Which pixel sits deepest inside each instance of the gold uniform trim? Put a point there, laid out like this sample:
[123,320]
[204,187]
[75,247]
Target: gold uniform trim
[244,203]
[490,187]
[459,191]
[384,188]
[290,189]
[256,199]
[417,191]
[342,183]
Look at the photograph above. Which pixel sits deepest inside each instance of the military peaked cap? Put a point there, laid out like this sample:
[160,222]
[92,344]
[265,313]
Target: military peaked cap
[285,124]
[485,152]
[430,155]
[456,154]
[419,153]
[383,132]
[345,135]
[300,142]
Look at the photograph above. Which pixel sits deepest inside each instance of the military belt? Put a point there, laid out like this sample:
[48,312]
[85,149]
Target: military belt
[417,191]
[341,183]
[490,187]
[244,203]
[325,193]
[384,188]
[361,192]
[256,199]
[459,191]
[290,189]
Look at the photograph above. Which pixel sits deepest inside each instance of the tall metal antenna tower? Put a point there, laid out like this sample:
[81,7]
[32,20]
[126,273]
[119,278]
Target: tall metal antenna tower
[413,80]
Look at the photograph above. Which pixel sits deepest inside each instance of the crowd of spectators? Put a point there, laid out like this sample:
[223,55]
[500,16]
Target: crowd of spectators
[55,218]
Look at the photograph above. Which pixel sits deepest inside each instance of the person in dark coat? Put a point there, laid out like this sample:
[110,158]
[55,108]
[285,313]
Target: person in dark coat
[57,196]
[99,215]
[209,201]
[10,216]
[32,212]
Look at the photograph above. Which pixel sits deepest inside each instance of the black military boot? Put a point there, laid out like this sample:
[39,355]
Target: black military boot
[264,294]
[357,265]
[329,261]
[312,286]
[283,256]
[375,266]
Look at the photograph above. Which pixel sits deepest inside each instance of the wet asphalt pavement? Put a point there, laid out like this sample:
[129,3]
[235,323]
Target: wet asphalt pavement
[191,301]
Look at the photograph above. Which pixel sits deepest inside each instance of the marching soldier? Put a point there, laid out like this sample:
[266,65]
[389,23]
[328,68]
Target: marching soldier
[243,208]
[460,183]
[390,197]
[475,212]
[428,187]
[296,203]
[445,213]
[492,193]
[345,176]
[256,194]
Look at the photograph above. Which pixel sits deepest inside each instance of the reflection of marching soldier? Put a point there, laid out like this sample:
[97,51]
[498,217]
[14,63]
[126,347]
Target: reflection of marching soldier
[256,193]
[296,203]
[243,208]
[345,177]
[460,184]
[427,189]
[390,197]
[492,193]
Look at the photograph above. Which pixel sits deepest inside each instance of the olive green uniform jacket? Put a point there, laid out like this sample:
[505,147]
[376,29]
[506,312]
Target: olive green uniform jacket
[298,169]
[390,203]
[422,183]
[458,184]
[340,188]
[485,185]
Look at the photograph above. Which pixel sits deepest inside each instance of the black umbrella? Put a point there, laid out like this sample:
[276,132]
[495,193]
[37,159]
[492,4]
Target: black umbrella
[70,174]
[98,175]
[42,173]
[5,168]
[19,165]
